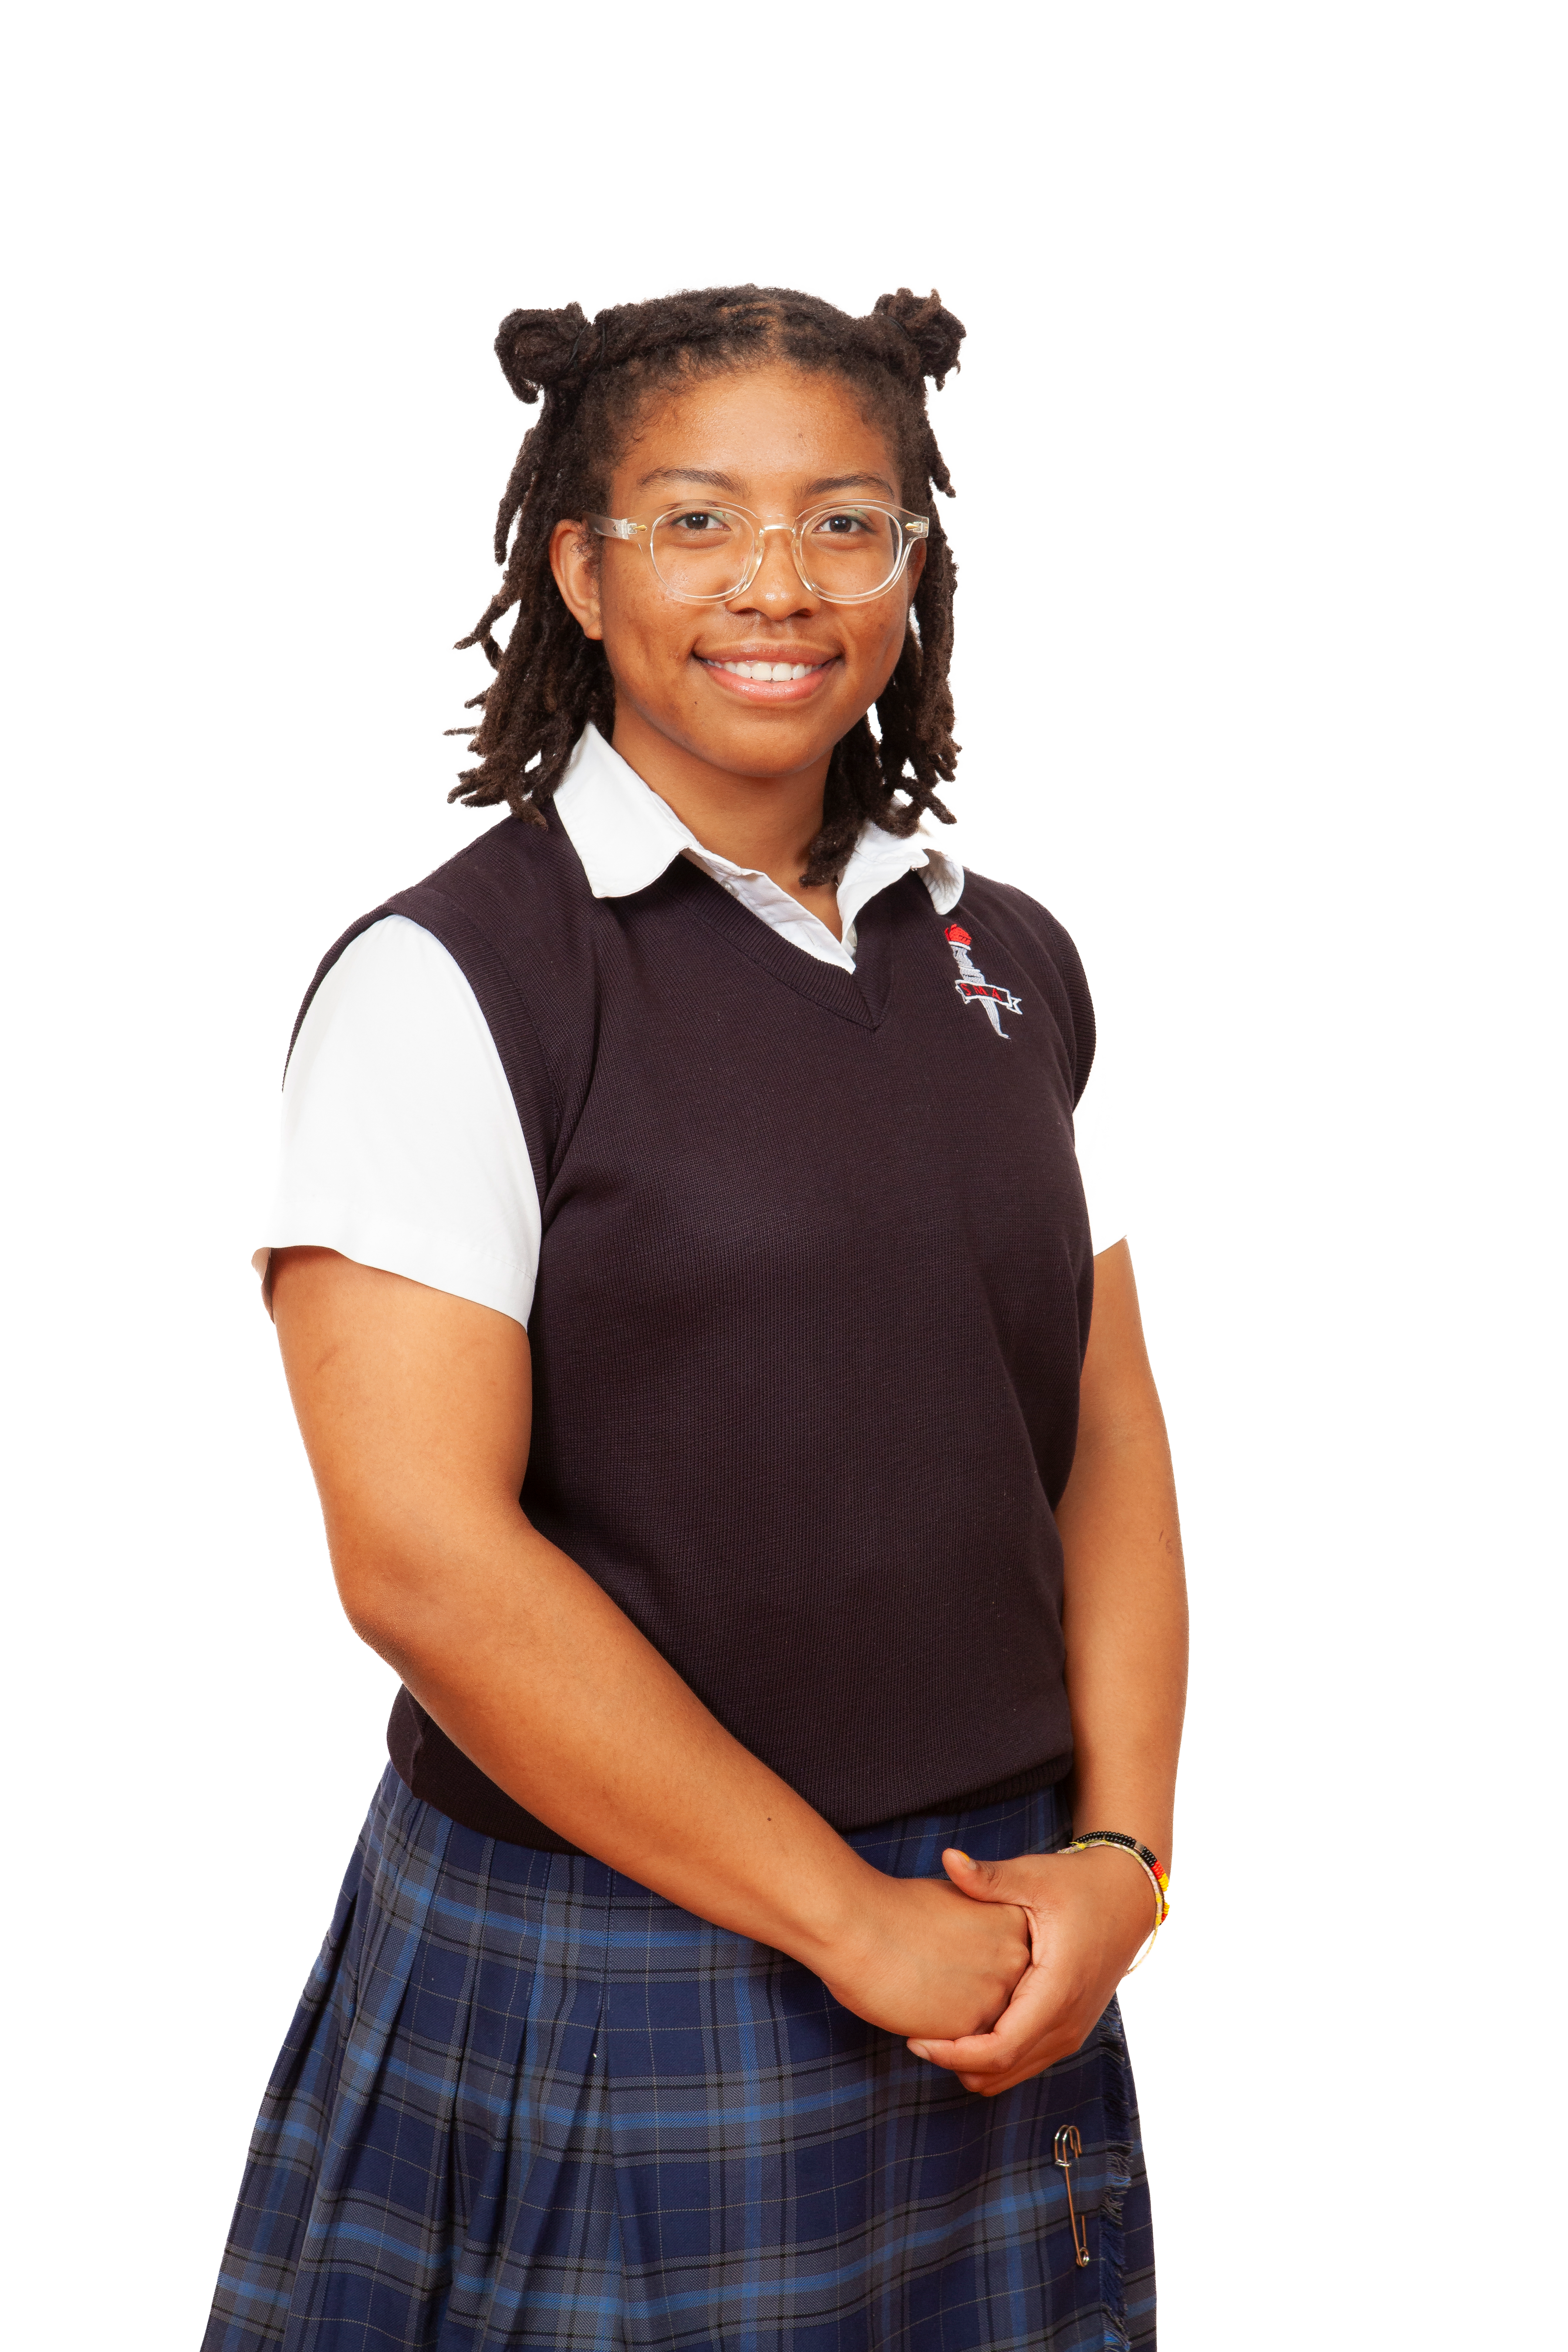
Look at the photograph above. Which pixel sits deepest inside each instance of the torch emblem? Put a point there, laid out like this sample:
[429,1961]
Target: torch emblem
[971,983]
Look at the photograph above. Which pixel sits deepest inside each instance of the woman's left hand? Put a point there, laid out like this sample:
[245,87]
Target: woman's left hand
[1087,1915]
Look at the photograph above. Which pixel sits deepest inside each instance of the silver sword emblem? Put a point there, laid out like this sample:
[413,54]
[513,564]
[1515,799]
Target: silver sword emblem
[971,983]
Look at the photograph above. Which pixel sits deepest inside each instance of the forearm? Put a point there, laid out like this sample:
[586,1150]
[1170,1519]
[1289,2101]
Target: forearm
[1125,1624]
[416,1409]
[534,1673]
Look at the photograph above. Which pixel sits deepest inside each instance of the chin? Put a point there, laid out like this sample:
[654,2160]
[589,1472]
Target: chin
[769,752]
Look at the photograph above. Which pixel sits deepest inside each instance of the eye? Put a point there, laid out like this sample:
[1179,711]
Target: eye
[847,523]
[700,522]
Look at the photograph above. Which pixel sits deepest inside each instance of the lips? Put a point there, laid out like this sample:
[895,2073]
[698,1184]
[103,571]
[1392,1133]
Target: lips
[764,673]
[760,673]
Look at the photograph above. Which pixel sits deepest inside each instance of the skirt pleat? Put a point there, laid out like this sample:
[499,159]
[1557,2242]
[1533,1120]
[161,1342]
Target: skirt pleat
[526,2102]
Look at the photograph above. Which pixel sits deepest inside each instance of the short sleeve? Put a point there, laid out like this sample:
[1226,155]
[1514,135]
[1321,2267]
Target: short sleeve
[401,1144]
[1100,1133]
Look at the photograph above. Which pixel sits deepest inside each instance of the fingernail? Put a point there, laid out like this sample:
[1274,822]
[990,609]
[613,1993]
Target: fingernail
[968,1858]
[919,2050]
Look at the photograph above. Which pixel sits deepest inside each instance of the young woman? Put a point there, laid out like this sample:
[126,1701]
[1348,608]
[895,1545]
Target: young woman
[692,1158]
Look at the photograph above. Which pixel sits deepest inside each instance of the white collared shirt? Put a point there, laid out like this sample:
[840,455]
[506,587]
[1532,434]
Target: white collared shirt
[401,1147]
[625,836]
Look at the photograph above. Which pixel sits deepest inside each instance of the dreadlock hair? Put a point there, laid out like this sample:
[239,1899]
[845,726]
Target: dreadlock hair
[596,376]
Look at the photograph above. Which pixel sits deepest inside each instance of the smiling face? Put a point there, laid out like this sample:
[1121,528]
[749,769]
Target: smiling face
[777,441]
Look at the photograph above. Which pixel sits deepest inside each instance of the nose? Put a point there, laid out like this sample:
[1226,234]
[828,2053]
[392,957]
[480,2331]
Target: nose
[778,592]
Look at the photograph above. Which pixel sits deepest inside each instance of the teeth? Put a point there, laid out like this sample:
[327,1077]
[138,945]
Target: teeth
[769,673]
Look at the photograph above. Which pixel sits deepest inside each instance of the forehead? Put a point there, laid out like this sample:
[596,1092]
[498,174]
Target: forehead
[774,429]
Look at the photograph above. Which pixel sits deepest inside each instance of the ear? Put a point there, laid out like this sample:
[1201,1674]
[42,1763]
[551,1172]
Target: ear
[573,558]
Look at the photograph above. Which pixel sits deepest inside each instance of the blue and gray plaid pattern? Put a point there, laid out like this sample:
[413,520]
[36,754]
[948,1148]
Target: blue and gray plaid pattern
[527,2103]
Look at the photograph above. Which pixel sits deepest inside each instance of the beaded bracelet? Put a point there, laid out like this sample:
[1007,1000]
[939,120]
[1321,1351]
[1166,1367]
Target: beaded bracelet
[1149,1864]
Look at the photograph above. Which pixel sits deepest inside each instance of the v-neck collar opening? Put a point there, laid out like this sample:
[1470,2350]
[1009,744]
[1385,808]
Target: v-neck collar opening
[860,995]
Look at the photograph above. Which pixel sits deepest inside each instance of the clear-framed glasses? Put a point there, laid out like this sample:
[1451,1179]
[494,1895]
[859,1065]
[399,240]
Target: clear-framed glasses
[846,554]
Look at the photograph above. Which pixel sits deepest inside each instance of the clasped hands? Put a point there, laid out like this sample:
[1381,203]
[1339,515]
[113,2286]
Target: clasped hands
[1003,1971]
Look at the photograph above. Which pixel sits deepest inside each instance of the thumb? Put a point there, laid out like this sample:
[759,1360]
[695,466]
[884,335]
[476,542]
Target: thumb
[985,1881]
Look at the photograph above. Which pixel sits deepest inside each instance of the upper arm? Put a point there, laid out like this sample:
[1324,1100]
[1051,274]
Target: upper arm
[415,1407]
[1116,1394]
[402,1147]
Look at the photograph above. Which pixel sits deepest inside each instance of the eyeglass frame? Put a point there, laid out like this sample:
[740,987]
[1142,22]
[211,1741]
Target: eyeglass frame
[915,529]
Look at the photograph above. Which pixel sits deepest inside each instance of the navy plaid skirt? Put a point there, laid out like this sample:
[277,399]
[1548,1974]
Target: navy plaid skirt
[526,2102]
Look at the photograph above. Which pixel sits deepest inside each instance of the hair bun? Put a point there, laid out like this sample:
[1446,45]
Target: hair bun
[538,349]
[935,333]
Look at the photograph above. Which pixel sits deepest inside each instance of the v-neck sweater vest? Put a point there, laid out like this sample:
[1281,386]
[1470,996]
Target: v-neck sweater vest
[814,1290]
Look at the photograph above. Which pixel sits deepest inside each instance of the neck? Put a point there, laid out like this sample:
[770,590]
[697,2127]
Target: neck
[766,822]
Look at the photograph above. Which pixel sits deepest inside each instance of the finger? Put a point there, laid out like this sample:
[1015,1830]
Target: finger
[991,2086]
[974,2050]
[980,1880]
[1030,2021]
[1008,2041]
[988,2076]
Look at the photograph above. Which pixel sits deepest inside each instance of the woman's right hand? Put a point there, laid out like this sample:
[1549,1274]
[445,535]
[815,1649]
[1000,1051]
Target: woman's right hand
[924,1951]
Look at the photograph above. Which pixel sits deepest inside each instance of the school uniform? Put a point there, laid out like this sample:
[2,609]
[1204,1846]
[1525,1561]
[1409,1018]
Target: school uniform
[797,1228]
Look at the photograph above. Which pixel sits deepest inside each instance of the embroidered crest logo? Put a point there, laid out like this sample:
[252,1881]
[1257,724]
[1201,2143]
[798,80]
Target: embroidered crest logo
[971,983]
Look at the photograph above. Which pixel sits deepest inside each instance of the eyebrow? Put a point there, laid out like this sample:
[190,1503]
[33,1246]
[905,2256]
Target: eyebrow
[717,481]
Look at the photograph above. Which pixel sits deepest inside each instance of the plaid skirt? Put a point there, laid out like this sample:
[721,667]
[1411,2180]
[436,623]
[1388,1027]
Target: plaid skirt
[527,2103]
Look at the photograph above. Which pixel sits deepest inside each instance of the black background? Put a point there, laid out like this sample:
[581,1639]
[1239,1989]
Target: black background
[1136,669]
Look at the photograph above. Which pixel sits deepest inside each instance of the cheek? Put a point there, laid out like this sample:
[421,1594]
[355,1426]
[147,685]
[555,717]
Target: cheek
[645,626]
[641,631]
[882,644]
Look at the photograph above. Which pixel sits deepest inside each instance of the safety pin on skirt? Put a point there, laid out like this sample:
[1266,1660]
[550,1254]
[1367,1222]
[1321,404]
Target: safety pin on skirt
[1069,2146]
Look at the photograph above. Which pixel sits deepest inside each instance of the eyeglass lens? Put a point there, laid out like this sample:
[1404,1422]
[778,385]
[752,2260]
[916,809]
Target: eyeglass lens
[844,551]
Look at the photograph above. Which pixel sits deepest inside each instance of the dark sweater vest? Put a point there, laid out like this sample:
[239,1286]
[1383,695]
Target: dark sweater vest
[813,1296]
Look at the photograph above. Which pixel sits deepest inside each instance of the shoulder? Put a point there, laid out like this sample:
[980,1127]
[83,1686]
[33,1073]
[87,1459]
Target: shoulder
[516,892]
[1044,952]
[1020,921]
[387,972]
[515,877]
[488,943]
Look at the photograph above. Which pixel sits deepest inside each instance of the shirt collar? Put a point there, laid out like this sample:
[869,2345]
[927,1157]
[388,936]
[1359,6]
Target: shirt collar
[625,836]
